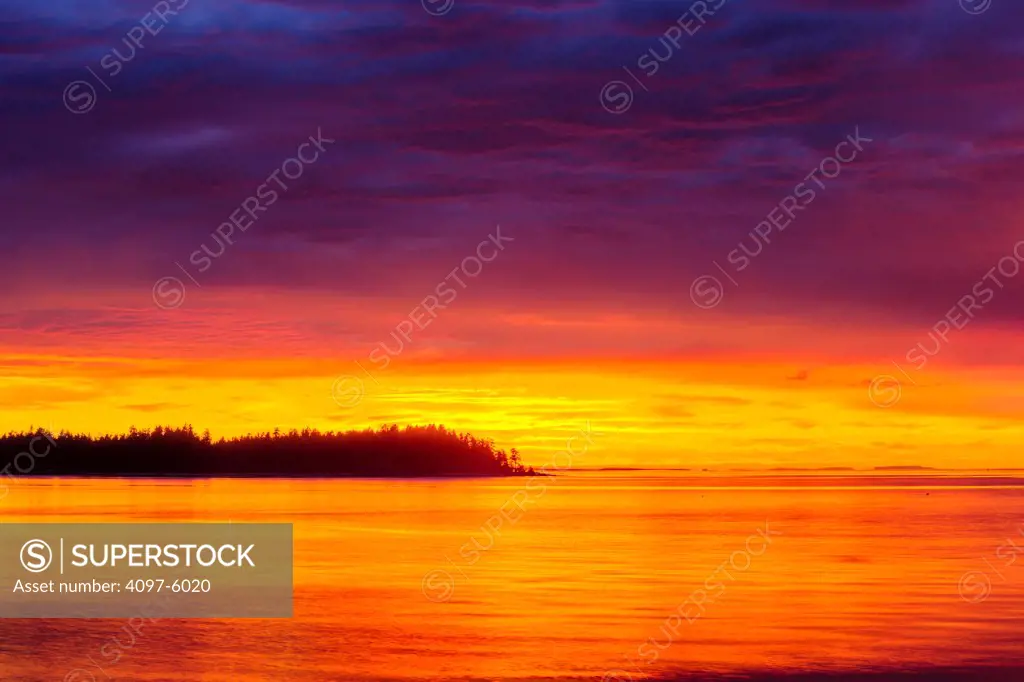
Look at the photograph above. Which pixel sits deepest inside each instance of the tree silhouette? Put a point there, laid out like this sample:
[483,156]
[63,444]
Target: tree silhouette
[389,451]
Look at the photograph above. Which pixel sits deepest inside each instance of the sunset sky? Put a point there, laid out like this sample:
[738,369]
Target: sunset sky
[449,123]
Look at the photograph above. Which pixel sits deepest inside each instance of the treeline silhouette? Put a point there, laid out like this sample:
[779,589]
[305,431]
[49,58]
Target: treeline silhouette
[389,451]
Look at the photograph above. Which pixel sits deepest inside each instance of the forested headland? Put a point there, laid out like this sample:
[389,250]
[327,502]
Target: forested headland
[389,451]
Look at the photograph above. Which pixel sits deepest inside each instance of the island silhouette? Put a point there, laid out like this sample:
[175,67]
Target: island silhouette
[386,452]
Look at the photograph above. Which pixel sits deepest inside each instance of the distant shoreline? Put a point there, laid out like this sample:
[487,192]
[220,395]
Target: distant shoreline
[276,477]
[804,470]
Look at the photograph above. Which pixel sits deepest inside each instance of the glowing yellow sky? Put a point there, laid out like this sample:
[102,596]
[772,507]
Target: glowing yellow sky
[710,413]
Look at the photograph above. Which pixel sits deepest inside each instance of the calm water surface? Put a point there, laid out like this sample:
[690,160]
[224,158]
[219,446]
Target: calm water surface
[416,579]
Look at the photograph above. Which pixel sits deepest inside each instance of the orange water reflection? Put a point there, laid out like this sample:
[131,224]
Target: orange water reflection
[858,572]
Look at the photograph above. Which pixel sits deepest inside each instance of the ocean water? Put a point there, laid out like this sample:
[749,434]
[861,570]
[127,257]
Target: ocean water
[592,575]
